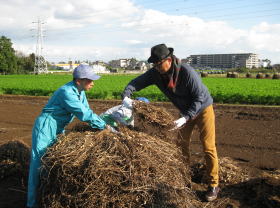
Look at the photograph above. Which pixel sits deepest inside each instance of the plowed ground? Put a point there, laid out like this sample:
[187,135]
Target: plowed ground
[248,143]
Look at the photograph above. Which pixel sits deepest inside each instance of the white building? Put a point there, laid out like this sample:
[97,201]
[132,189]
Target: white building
[120,63]
[141,65]
[97,68]
[248,60]
[66,67]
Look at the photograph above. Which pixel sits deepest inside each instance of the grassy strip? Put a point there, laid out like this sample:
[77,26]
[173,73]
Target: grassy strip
[223,90]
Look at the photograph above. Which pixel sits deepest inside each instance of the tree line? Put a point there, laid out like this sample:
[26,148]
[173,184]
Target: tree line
[14,62]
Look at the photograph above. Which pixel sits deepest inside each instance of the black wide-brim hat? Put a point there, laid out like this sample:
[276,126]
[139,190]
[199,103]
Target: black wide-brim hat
[159,52]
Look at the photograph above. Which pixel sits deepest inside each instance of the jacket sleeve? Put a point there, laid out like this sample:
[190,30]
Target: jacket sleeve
[139,83]
[195,85]
[74,105]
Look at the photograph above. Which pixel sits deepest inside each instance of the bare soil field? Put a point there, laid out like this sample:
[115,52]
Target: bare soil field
[248,143]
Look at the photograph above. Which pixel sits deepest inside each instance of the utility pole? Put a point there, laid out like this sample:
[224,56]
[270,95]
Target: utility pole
[40,62]
[70,65]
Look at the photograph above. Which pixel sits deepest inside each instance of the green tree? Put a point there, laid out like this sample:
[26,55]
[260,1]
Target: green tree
[8,59]
[242,70]
[29,63]
[25,64]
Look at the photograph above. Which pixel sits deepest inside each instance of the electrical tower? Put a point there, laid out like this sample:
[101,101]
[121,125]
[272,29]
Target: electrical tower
[70,65]
[40,62]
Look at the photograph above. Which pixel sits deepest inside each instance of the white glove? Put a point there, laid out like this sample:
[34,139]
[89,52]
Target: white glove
[111,129]
[127,102]
[179,123]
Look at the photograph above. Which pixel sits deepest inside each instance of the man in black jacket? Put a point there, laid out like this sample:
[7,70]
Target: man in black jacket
[182,85]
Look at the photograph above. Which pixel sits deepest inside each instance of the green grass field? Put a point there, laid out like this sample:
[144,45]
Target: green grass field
[223,90]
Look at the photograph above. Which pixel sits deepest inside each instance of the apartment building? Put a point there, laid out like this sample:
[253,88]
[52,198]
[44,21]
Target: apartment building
[120,63]
[248,60]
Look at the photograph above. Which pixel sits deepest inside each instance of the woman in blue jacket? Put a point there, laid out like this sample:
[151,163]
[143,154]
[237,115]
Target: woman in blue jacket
[66,103]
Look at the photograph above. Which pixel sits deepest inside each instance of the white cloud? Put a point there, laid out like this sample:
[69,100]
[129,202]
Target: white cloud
[134,42]
[265,37]
[112,29]
[190,35]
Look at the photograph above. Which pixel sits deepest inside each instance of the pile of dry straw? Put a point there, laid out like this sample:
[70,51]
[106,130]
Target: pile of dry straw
[14,159]
[130,169]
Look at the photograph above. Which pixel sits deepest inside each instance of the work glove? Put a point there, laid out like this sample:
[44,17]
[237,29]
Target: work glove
[143,99]
[119,118]
[127,102]
[179,123]
[111,129]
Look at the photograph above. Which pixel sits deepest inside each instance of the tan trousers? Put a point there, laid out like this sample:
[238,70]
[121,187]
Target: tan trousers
[206,124]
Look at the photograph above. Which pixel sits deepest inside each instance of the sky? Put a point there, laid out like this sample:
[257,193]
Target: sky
[113,29]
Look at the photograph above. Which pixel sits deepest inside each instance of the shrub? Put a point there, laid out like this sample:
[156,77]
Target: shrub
[260,76]
[229,74]
[267,75]
[276,76]
[248,75]
[234,75]
[204,74]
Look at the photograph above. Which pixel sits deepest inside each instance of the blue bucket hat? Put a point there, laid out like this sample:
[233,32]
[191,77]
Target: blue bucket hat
[84,71]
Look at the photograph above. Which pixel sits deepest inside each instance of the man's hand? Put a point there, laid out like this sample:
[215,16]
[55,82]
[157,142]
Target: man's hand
[179,123]
[127,102]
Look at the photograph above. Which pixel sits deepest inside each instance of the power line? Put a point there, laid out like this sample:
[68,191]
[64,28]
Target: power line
[170,23]
[118,26]
[204,5]
[152,3]
[166,3]
[219,2]
[228,8]
[234,14]
[96,13]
